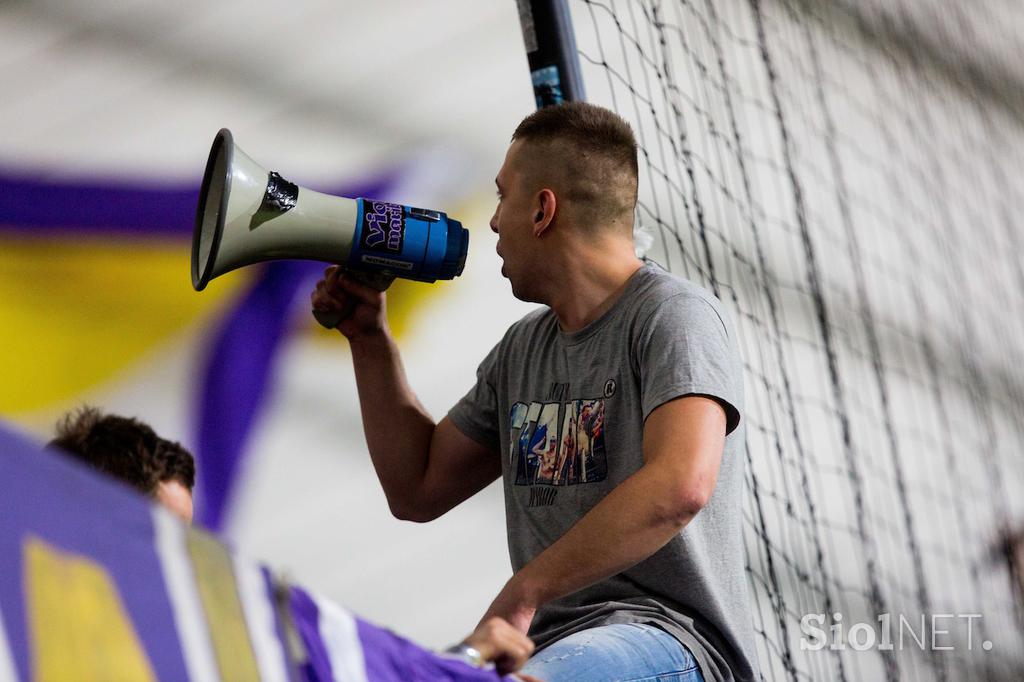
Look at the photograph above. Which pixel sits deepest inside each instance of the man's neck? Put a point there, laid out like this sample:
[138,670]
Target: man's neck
[588,286]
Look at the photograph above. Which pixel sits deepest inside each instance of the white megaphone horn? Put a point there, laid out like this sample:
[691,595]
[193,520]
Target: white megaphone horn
[247,214]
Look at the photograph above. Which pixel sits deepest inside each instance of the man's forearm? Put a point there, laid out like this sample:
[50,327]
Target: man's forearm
[398,429]
[630,524]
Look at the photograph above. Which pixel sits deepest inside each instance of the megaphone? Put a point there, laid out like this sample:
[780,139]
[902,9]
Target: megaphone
[247,214]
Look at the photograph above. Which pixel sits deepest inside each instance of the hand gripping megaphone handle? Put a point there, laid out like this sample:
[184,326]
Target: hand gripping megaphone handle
[378,280]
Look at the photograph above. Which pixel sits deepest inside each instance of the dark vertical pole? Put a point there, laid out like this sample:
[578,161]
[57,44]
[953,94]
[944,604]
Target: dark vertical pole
[551,50]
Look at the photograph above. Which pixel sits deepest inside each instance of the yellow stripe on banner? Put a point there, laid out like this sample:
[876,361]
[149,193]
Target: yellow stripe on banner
[73,313]
[79,629]
[218,592]
[407,298]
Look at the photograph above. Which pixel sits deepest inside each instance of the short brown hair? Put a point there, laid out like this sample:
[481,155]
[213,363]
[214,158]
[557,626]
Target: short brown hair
[127,449]
[598,153]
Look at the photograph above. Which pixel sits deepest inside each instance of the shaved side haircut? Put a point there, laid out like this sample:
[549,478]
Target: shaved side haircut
[588,153]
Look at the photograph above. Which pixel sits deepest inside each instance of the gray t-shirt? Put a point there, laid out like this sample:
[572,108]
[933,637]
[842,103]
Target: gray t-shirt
[566,411]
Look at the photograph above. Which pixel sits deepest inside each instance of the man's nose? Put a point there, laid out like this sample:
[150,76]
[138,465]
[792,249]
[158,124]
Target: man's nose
[494,223]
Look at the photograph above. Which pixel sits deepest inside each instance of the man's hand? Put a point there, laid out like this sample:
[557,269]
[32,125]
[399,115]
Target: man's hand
[513,604]
[502,644]
[363,307]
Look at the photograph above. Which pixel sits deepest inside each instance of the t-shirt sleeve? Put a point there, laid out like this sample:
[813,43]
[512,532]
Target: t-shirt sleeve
[476,414]
[684,349]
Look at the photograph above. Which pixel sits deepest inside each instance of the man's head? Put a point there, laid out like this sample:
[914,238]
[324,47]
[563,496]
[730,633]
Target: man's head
[571,168]
[130,451]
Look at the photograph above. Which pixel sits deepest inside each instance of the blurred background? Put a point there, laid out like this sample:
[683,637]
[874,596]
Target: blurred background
[107,118]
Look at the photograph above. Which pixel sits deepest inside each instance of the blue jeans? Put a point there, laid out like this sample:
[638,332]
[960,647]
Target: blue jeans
[622,652]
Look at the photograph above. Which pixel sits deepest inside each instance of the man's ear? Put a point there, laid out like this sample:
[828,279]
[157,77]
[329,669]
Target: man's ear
[544,213]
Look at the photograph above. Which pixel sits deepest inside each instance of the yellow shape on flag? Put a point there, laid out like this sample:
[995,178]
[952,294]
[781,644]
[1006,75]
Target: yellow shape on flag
[79,629]
[73,313]
[218,592]
[406,299]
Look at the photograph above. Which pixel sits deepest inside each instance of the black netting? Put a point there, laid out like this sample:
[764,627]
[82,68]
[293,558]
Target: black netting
[846,181]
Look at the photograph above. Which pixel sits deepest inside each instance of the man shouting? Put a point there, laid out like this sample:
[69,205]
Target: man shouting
[612,415]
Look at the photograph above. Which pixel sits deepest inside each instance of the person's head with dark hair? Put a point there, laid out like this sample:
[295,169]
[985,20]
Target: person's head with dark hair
[587,152]
[567,192]
[130,451]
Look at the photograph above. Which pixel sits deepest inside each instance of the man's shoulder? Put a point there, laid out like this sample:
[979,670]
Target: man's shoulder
[527,328]
[661,287]
[538,318]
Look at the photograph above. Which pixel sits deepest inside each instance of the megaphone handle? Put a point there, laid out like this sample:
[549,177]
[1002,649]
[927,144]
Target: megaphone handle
[331,318]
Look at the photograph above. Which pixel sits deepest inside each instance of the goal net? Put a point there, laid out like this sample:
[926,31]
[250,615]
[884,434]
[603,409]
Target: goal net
[844,177]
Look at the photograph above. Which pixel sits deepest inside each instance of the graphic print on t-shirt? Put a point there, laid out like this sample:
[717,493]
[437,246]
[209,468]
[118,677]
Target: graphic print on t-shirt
[558,443]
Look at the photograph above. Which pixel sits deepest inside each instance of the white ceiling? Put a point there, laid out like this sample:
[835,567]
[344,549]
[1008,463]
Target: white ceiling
[326,90]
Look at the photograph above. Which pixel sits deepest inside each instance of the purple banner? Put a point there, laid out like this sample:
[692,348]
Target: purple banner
[84,583]
[63,504]
[33,206]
